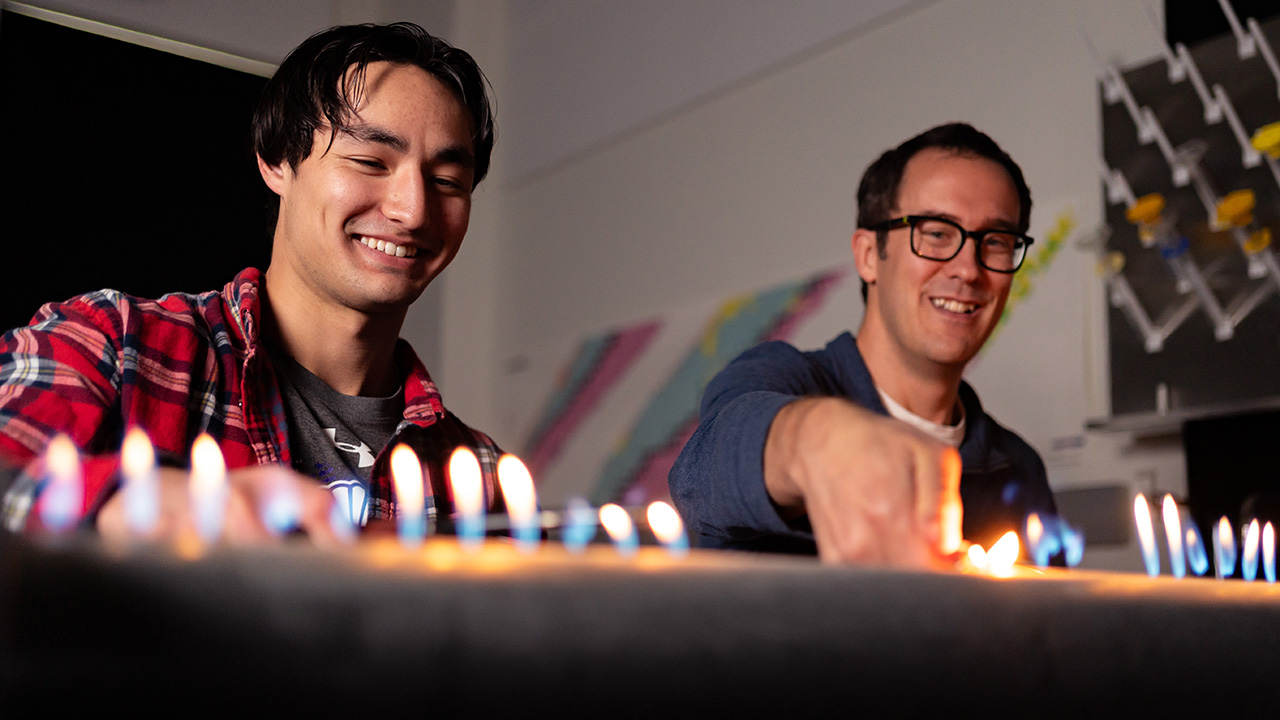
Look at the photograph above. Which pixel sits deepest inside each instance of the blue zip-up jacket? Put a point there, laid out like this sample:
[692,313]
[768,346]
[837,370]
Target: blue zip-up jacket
[718,480]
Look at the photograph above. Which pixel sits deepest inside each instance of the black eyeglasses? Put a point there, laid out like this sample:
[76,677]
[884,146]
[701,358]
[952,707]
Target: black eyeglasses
[935,238]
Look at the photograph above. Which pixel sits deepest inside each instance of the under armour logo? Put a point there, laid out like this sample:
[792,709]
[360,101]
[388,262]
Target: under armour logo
[364,451]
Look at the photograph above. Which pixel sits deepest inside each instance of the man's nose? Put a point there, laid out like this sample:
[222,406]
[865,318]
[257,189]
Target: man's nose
[406,199]
[965,264]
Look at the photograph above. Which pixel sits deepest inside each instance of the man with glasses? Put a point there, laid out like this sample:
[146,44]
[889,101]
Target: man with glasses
[874,449]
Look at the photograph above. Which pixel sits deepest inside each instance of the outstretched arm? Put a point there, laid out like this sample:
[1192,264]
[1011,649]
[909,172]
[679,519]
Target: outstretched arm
[874,489]
[777,455]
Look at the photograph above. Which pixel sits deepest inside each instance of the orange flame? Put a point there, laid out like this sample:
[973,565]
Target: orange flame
[406,476]
[208,469]
[1002,556]
[1035,529]
[665,522]
[465,481]
[137,456]
[517,489]
[616,521]
[977,557]
[62,460]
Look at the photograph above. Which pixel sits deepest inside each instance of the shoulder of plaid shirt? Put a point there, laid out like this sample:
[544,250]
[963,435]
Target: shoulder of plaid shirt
[95,365]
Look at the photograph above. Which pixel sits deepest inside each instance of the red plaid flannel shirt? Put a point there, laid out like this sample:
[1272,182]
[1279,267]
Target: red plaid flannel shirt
[98,364]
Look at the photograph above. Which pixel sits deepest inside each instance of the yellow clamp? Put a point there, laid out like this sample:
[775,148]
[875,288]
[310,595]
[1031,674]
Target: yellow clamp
[1146,209]
[1267,139]
[1258,241]
[1237,208]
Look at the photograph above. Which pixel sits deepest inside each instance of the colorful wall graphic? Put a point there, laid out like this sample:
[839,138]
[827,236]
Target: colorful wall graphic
[634,463]
[1037,262]
[637,471]
[593,372]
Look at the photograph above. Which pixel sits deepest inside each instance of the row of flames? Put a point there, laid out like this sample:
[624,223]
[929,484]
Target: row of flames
[62,498]
[61,506]
[1186,547]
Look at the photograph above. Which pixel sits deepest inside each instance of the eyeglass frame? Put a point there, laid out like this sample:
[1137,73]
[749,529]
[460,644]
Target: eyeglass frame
[910,221]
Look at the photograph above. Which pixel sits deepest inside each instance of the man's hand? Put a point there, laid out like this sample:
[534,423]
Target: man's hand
[876,490]
[249,491]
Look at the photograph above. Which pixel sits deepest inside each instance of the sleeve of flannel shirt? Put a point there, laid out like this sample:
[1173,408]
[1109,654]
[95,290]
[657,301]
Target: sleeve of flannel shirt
[60,374]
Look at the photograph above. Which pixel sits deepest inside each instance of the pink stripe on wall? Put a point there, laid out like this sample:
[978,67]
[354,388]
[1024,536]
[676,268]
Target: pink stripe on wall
[623,351]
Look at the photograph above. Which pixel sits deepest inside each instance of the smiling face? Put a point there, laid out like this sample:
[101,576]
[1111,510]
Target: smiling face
[367,223]
[931,316]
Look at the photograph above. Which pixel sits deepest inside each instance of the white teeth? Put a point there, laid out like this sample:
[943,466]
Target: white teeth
[389,248]
[954,306]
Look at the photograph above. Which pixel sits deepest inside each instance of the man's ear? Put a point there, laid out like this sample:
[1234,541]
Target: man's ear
[272,175]
[866,255]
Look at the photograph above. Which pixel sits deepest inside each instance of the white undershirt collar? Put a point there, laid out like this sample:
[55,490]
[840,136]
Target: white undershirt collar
[951,435]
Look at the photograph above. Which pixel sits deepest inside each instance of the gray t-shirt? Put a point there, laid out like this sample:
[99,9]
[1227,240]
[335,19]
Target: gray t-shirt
[334,437]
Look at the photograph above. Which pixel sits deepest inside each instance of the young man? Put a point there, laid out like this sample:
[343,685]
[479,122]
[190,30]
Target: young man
[851,451]
[373,137]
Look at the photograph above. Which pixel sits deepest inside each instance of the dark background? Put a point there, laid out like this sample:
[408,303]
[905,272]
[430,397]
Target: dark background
[1190,21]
[125,167]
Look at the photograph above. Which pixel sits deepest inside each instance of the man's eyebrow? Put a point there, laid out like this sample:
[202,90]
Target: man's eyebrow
[996,224]
[378,135]
[456,154]
[365,133]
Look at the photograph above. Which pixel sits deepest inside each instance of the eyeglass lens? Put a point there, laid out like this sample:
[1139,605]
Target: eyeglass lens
[937,239]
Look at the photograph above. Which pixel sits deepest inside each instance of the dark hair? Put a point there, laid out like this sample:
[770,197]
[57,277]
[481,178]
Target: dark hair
[878,191]
[312,89]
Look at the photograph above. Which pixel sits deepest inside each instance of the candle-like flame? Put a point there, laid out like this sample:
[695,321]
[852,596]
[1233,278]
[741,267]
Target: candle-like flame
[666,525]
[1173,534]
[978,557]
[1224,548]
[1044,538]
[62,500]
[1197,559]
[467,485]
[1269,552]
[208,487]
[62,459]
[521,500]
[1002,556]
[1146,535]
[1035,529]
[208,469]
[664,521]
[137,456]
[406,477]
[617,522]
[1249,553]
[517,488]
[141,489]
[466,482]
